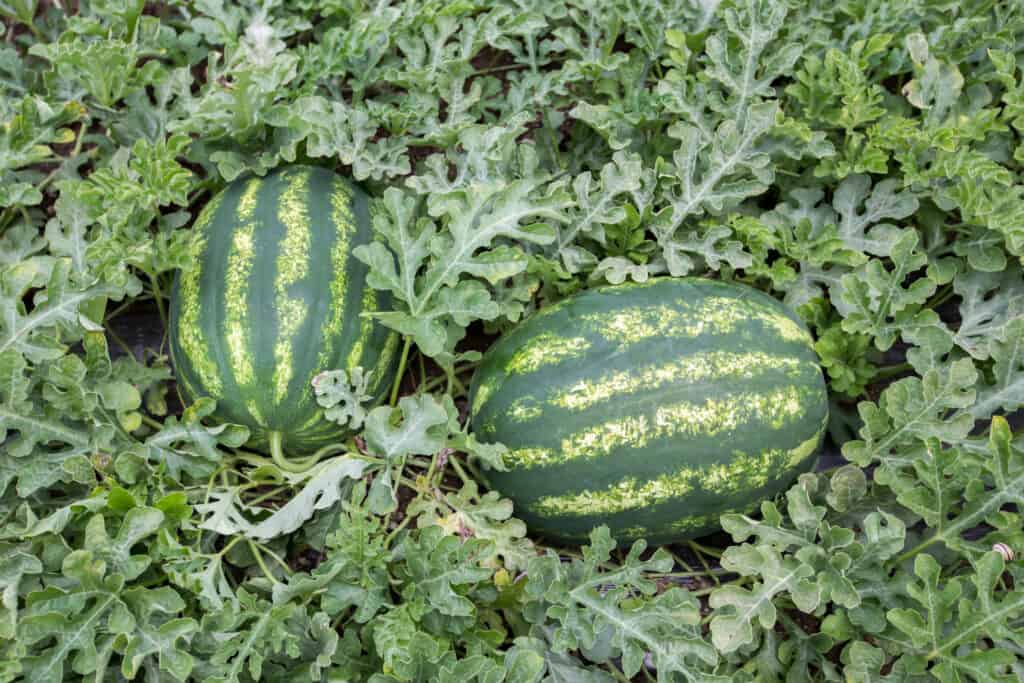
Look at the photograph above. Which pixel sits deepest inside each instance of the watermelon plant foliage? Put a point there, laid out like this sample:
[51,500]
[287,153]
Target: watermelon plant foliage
[860,160]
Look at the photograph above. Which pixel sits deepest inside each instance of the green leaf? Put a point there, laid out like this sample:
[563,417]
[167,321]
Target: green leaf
[105,69]
[883,202]
[116,553]
[355,573]
[15,564]
[75,626]
[596,204]
[1003,473]
[190,447]
[1007,391]
[240,639]
[731,628]
[157,641]
[32,128]
[419,432]
[879,304]
[332,129]
[36,333]
[482,205]
[323,489]
[486,516]
[989,302]
[914,409]
[666,626]
[341,397]
[932,628]
[712,175]
[443,568]
[20,10]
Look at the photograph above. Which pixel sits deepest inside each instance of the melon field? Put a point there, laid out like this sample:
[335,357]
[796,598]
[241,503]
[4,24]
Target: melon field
[583,341]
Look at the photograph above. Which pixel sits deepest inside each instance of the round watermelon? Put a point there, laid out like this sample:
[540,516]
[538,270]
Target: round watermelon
[273,298]
[652,408]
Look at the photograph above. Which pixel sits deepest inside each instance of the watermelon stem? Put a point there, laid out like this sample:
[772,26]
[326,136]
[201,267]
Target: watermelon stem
[296,466]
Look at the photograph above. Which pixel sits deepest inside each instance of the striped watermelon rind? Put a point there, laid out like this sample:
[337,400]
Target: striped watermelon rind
[652,408]
[275,297]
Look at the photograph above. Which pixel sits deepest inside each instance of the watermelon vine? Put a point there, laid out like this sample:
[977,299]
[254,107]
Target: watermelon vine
[194,487]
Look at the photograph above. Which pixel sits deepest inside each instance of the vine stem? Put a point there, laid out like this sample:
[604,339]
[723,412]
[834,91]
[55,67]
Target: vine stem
[618,675]
[700,556]
[269,494]
[692,574]
[155,424]
[401,370]
[435,382]
[277,558]
[260,562]
[120,342]
[892,370]
[398,528]
[454,462]
[117,311]
[684,563]
[704,549]
[230,544]
[455,384]
[942,296]
[913,551]
[158,296]
[711,589]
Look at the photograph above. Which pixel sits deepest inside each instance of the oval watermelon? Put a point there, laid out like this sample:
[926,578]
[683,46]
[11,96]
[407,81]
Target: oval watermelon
[651,408]
[274,297]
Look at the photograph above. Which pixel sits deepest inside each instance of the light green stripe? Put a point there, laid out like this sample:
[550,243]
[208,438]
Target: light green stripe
[679,526]
[524,409]
[191,338]
[341,216]
[484,391]
[742,473]
[714,315]
[688,524]
[292,267]
[699,367]
[384,360]
[544,350]
[366,329]
[247,202]
[711,417]
[236,309]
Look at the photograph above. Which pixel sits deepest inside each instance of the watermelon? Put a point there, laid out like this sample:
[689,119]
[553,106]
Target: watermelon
[273,298]
[651,408]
